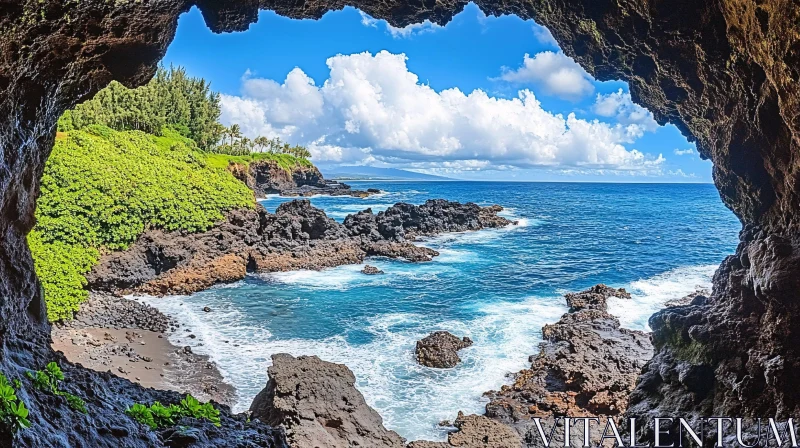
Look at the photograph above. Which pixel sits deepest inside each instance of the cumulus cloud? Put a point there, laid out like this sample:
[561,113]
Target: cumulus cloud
[372,109]
[620,106]
[555,73]
[406,31]
[684,152]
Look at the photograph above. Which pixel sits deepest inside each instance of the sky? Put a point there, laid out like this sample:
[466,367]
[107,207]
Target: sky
[483,98]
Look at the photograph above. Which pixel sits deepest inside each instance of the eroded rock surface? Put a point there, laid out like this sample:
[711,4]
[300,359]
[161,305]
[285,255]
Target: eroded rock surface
[726,73]
[440,349]
[587,366]
[267,177]
[318,405]
[296,236]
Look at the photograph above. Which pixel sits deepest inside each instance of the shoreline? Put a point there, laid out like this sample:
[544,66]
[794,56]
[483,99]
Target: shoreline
[103,338]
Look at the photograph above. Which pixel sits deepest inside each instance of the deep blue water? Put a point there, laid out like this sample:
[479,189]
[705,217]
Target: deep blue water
[661,241]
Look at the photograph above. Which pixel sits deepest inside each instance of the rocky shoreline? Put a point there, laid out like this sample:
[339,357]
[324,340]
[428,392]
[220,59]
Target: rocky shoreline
[297,236]
[267,177]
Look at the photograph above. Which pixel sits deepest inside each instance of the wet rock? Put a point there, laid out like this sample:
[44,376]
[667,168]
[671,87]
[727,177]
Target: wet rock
[587,365]
[440,349]
[206,309]
[318,405]
[476,431]
[371,270]
[698,297]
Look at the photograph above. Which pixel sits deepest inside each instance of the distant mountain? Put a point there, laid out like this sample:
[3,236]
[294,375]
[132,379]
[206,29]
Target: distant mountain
[374,173]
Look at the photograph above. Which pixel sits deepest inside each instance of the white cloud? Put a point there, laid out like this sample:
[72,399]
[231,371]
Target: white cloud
[684,152]
[373,110]
[555,73]
[620,106]
[543,35]
[406,31]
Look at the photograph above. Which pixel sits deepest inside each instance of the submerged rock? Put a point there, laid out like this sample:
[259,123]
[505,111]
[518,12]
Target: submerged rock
[440,349]
[318,405]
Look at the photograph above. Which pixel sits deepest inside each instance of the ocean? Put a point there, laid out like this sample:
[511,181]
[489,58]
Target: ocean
[499,287]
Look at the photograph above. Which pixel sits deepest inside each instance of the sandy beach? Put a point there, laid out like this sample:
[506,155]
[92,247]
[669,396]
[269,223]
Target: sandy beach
[145,356]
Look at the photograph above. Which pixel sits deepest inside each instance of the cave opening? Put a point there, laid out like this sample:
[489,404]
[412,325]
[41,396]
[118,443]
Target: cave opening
[679,78]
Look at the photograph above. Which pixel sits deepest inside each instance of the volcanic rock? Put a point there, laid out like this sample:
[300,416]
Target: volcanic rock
[296,236]
[440,349]
[587,365]
[724,72]
[318,405]
[371,270]
[267,177]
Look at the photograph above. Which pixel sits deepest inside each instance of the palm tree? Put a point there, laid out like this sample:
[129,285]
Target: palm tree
[235,132]
[261,142]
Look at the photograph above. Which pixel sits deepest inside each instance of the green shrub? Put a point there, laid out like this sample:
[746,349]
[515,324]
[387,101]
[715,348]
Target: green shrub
[103,188]
[13,413]
[48,380]
[159,416]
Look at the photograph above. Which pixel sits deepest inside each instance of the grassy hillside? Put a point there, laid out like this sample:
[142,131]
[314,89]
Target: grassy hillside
[103,188]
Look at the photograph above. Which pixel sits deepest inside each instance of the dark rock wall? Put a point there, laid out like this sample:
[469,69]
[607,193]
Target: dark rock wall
[726,72]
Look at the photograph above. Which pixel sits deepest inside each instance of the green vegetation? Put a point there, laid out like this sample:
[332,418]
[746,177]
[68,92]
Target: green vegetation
[129,160]
[13,413]
[48,380]
[102,188]
[170,100]
[287,162]
[159,416]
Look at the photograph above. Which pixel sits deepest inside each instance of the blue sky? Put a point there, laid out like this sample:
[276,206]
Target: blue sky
[480,98]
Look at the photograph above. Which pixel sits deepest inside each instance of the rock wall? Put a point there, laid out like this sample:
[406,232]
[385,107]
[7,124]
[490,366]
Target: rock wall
[726,72]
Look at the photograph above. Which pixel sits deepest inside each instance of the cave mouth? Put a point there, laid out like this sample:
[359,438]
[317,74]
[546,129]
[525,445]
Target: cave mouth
[700,66]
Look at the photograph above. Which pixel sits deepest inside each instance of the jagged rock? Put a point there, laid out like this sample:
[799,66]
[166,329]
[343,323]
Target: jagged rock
[405,222]
[296,236]
[724,72]
[698,297]
[476,431]
[440,349]
[371,270]
[267,177]
[318,405]
[587,365]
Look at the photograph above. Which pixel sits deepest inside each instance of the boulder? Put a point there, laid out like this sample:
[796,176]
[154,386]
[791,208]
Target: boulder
[440,350]
[316,402]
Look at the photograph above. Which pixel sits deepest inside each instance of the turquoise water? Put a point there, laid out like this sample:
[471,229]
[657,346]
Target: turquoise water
[496,286]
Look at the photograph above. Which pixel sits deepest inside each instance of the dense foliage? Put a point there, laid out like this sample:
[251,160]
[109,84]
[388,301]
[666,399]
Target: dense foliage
[49,380]
[13,413]
[132,159]
[170,100]
[102,188]
[159,416]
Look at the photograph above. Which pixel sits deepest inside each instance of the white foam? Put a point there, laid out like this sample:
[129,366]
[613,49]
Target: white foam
[649,295]
[411,399]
